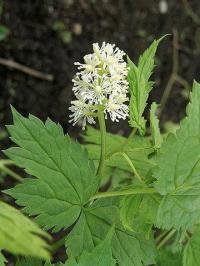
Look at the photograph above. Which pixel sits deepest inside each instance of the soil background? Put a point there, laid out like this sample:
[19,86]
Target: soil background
[50,35]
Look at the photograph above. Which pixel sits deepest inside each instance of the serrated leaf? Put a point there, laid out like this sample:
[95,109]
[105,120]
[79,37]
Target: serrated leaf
[154,126]
[19,235]
[65,177]
[138,212]
[80,238]
[138,151]
[127,247]
[100,255]
[178,171]
[191,252]
[140,86]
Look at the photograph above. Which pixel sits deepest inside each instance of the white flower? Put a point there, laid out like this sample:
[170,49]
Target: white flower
[116,107]
[91,63]
[91,87]
[81,110]
[111,58]
[100,84]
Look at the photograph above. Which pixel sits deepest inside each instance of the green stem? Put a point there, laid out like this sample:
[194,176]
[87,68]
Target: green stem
[11,173]
[132,166]
[102,126]
[160,236]
[6,162]
[133,191]
[166,238]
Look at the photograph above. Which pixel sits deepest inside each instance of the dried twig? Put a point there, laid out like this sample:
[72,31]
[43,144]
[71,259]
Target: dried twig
[174,77]
[190,12]
[27,70]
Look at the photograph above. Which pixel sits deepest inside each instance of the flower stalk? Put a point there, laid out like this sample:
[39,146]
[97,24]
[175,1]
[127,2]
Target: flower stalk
[102,126]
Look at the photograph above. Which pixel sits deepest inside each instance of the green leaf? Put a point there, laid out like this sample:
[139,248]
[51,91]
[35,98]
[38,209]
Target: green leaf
[138,151]
[29,262]
[138,212]
[2,259]
[154,125]
[19,235]
[167,258]
[4,31]
[178,171]
[140,86]
[191,252]
[65,177]
[71,262]
[100,255]
[127,247]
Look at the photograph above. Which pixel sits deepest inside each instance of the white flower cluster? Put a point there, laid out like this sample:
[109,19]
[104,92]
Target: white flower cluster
[100,82]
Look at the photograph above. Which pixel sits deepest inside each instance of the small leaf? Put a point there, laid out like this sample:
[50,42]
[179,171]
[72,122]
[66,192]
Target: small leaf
[19,235]
[140,86]
[154,125]
[65,177]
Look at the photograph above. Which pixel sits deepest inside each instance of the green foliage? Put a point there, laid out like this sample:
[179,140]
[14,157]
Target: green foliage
[167,258]
[100,255]
[65,178]
[29,262]
[2,259]
[20,235]
[154,126]
[140,86]
[128,248]
[138,212]
[149,188]
[178,171]
[138,149]
[36,262]
[192,251]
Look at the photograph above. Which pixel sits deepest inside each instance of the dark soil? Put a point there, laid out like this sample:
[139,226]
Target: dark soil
[132,25]
[49,35]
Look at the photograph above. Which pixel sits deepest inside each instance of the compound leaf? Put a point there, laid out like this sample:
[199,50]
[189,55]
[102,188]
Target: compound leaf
[178,171]
[65,177]
[19,235]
